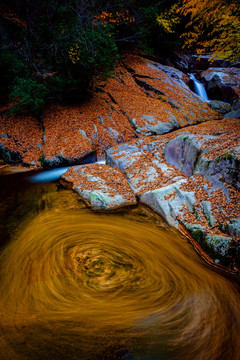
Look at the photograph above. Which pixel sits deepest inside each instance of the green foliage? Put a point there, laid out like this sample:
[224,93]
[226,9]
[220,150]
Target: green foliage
[160,25]
[63,47]
[10,67]
[29,95]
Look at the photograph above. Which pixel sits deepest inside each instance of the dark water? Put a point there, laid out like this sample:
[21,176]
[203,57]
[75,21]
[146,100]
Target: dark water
[76,284]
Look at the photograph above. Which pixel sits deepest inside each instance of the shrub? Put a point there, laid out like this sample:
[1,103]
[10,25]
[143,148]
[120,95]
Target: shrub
[29,95]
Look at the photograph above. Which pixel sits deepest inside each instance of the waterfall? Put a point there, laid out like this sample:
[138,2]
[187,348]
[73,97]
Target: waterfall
[199,88]
[55,174]
[48,176]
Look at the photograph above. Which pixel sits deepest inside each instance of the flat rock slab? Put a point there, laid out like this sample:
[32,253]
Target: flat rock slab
[143,171]
[100,185]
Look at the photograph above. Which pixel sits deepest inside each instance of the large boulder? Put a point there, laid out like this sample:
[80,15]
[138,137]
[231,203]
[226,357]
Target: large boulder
[222,83]
[100,185]
[219,106]
[193,154]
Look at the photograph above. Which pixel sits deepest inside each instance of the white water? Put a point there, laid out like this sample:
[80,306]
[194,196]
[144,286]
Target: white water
[48,176]
[54,174]
[199,88]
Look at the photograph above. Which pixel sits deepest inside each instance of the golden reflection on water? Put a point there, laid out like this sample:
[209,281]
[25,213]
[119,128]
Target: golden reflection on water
[83,285]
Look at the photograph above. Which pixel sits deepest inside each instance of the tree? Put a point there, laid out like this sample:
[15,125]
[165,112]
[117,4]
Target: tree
[213,26]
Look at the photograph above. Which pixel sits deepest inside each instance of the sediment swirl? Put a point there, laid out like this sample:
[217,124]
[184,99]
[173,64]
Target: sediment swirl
[90,282]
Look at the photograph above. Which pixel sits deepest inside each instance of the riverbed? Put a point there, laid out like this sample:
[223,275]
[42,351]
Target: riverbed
[123,285]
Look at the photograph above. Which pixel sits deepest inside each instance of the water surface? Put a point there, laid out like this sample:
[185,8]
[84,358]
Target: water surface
[77,284]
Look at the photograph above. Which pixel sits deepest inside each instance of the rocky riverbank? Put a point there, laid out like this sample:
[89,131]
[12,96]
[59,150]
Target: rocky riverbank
[164,146]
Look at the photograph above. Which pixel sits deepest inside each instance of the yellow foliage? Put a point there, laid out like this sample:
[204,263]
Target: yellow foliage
[169,19]
[214,26]
[74,53]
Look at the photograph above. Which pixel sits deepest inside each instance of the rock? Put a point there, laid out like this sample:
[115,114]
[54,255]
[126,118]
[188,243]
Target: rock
[9,156]
[235,105]
[219,106]
[220,244]
[20,139]
[149,125]
[222,83]
[197,231]
[101,186]
[122,156]
[184,150]
[155,98]
[72,147]
[167,201]
[171,72]
[232,227]
[143,171]
[191,154]
[202,62]
[202,204]
[217,245]
[207,211]
[233,115]
[181,61]
[223,168]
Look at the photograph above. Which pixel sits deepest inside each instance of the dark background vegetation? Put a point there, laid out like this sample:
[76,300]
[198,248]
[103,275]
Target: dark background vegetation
[57,49]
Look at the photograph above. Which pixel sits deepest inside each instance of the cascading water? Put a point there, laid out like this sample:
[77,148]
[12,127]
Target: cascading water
[54,174]
[199,88]
[77,284]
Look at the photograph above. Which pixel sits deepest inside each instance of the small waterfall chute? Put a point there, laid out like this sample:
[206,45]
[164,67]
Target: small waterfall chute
[199,88]
[55,174]
[48,176]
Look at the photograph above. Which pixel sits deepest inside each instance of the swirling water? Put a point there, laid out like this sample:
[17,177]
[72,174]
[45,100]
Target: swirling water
[77,284]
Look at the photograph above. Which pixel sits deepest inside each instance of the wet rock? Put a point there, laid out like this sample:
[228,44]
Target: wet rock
[8,155]
[222,83]
[100,185]
[219,106]
[220,244]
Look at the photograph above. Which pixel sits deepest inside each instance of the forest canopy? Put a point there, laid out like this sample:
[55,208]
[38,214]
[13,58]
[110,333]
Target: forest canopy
[56,49]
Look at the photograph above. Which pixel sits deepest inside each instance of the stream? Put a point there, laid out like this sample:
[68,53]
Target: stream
[123,285]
